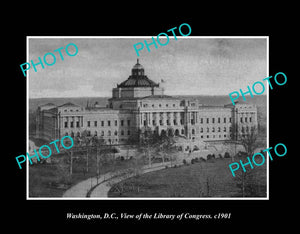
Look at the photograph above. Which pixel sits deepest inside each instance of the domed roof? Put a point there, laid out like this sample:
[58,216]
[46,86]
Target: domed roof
[138,65]
[137,78]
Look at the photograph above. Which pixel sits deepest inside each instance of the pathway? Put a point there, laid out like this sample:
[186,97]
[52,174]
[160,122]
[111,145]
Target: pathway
[99,188]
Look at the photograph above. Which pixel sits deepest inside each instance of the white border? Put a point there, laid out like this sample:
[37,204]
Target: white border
[154,198]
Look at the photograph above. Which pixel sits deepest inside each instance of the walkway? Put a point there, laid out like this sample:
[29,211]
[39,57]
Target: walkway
[99,188]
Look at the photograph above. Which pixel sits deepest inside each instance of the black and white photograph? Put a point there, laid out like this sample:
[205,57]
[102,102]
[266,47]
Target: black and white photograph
[141,121]
[108,123]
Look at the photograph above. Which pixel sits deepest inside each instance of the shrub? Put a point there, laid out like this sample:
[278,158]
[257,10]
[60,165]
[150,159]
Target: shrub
[226,155]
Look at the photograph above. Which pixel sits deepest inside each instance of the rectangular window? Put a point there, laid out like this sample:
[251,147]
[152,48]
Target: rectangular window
[116,122]
[225,120]
[201,120]
[213,120]
[246,119]
[230,120]
[77,124]
[71,124]
[108,123]
[128,132]
[207,120]
[250,119]
[241,119]
[88,123]
[122,122]
[95,123]
[102,123]
[66,124]
[128,122]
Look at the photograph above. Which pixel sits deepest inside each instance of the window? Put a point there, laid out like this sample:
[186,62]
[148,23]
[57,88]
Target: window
[230,119]
[153,122]
[246,119]
[122,132]
[95,123]
[213,129]
[219,129]
[207,120]
[108,123]
[102,133]
[88,123]
[102,123]
[224,129]
[116,122]
[72,124]
[207,130]
[77,124]
[213,120]
[241,119]
[201,120]
[128,132]
[128,122]
[225,120]
[219,120]
[109,133]
[193,131]
[66,124]
[116,133]
[250,119]
[201,129]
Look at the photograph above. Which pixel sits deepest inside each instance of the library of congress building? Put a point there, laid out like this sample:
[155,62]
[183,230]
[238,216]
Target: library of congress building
[139,103]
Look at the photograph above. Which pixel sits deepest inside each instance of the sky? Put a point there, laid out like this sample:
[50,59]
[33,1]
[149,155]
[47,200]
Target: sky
[189,65]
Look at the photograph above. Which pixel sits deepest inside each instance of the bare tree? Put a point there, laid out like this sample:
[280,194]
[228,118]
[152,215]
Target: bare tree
[245,180]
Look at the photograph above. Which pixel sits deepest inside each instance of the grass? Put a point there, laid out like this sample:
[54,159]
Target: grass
[52,180]
[202,179]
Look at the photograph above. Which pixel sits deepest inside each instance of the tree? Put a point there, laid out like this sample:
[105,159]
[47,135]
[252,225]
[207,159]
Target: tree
[246,180]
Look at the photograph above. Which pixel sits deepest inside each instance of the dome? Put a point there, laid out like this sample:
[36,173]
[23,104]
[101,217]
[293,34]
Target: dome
[138,65]
[137,78]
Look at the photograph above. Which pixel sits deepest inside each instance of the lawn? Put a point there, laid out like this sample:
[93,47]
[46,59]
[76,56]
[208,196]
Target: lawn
[53,179]
[210,178]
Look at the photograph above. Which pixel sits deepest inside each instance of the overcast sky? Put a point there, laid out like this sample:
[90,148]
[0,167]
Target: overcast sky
[189,66]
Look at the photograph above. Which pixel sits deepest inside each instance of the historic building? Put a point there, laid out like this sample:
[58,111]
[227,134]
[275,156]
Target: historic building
[138,102]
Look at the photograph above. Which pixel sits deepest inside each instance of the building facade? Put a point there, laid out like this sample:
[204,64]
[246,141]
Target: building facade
[139,103]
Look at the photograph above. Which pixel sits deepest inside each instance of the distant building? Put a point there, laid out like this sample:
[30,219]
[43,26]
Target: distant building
[139,102]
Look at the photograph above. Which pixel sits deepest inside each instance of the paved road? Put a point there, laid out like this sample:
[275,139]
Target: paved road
[83,188]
